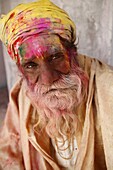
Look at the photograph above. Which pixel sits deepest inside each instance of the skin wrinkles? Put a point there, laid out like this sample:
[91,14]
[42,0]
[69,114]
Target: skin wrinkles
[44,59]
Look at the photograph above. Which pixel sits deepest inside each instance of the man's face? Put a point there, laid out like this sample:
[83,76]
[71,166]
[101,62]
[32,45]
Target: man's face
[43,59]
[54,87]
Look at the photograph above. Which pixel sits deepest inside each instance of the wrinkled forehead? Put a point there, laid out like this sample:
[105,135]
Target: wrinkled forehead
[40,46]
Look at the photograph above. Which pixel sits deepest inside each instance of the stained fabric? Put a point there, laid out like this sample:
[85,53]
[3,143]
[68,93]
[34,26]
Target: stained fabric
[21,148]
[40,17]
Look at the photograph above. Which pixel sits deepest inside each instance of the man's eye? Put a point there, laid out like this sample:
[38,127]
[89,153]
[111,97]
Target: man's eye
[56,56]
[30,65]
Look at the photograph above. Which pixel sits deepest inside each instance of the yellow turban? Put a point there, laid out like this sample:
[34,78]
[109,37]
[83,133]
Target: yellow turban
[38,17]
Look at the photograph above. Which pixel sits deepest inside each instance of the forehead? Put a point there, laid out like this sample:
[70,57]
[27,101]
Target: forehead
[40,46]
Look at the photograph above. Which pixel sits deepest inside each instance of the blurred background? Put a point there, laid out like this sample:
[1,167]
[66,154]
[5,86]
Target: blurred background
[94,27]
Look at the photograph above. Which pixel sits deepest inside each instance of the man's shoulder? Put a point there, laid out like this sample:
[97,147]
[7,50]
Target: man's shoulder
[87,63]
[14,92]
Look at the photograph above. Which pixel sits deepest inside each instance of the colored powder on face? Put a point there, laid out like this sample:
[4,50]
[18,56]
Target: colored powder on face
[40,47]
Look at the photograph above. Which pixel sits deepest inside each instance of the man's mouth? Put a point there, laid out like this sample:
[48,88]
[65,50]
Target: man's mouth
[49,91]
[58,89]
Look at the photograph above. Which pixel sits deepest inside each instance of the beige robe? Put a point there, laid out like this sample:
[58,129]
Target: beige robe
[22,149]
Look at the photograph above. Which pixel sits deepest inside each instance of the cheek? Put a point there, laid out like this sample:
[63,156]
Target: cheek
[64,66]
[31,81]
[30,78]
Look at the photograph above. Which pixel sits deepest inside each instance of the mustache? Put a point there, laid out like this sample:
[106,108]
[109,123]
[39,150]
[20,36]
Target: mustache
[64,83]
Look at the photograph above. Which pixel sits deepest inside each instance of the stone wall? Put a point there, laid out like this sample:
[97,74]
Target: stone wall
[94,25]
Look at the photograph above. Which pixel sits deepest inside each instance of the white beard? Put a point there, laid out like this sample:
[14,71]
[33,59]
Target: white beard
[62,95]
[56,104]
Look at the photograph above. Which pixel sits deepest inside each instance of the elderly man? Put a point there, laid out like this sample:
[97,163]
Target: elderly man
[60,114]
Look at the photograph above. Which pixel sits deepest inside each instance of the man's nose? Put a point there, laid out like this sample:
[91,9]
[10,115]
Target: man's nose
[48,75]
